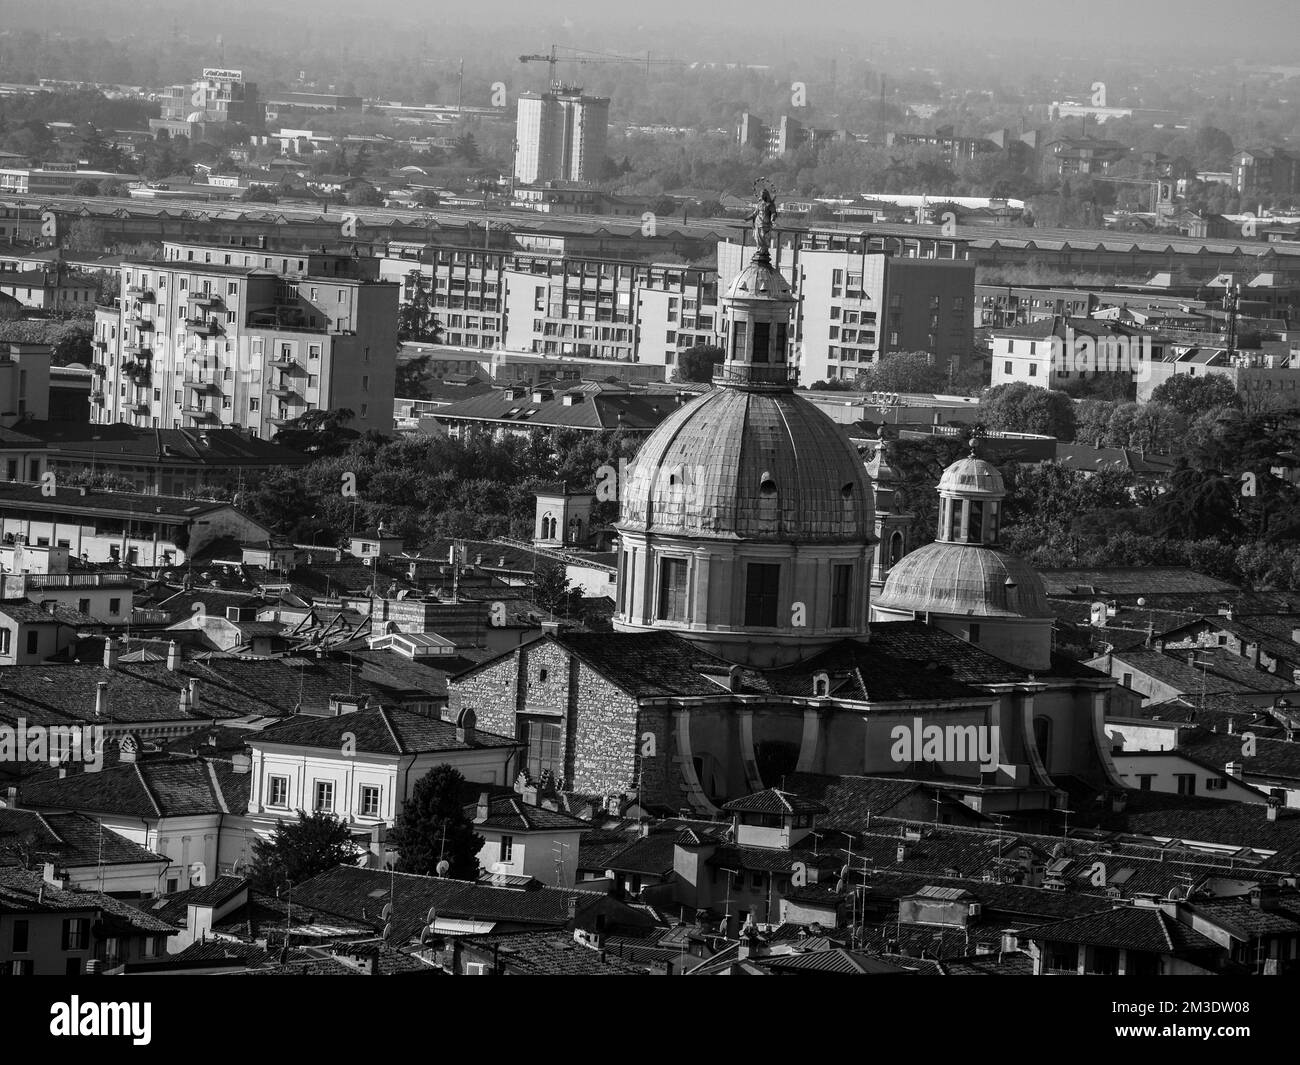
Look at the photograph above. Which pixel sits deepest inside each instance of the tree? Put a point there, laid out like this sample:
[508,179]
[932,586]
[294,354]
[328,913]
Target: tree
[85,234]
[466,148]
[907,371]
[85,188]
[1193,396]
[416,317]
[259,194]
[363,194]
[552,591]
[318,432]
[433,828]
[1024,408]
[411,379]
[697,363]
[300,849]
[1198,505]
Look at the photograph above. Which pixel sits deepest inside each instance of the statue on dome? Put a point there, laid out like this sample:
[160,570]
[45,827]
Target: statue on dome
[763,217]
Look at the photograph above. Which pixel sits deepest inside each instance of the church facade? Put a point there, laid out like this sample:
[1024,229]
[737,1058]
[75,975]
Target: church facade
[749,548]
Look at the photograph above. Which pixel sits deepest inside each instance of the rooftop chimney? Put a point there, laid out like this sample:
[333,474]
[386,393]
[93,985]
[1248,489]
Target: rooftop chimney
[173,656]
[110,653]
[194,693]
[241,763]
[101,699]
[1271,811]
[481,814]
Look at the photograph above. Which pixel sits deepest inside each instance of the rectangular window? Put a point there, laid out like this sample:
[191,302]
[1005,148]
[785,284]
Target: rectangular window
[507,848]
[762,341]
[324,796]
[1186,783]
[672,589]
[841,596]
[369,801]
[115,606]
[543,741]
[20,937]
[277,789]
[762,590]
[76,933]
[33,642]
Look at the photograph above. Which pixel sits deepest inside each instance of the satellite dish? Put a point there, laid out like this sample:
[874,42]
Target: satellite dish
[198,874]
[432,916]
[444,867]
[426,934]
[387,911]
[388,931]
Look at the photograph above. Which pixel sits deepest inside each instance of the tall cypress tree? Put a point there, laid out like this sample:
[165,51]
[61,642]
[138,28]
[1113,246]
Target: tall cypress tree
[433,826]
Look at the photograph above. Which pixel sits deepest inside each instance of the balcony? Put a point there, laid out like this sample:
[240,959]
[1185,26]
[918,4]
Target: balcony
[200,385]
[289,365]
[208,300]
[139,351]
[757,377]
[98,369]
[283,391]
[281,419]
[204,327]
[140,406]
[202,414]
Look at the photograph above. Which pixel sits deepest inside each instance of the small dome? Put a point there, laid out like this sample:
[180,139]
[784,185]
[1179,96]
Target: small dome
[972,477]
[965,579]
[760,280]
[737,464]
[195,116]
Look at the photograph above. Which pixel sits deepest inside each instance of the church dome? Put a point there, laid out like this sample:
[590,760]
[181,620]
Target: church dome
[760,280]
[749,465]
[972,477]
[949,578]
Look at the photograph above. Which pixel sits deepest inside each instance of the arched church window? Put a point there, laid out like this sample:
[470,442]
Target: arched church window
[895,548]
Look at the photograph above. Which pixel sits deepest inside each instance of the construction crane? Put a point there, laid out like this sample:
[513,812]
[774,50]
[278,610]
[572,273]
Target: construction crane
[577,55]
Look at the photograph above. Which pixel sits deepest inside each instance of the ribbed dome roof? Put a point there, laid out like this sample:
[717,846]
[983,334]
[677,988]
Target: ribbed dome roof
[972,477]
[756,466]
[964,579]
[759,280]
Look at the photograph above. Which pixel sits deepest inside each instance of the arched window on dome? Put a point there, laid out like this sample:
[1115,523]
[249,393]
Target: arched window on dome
[954,520]
[778,352]
[991,536]
[975,522]
[895,548]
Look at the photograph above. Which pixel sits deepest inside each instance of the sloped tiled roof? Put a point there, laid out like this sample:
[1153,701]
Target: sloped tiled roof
[67,839]
[1144,928]
[774,801]
[510,813]
[380,731]
[149,789]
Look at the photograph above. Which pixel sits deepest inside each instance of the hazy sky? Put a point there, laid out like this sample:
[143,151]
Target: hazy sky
[766,31]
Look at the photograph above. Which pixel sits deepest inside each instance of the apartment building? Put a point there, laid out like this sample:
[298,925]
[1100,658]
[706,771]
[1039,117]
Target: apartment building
[858,301]
[560,135]
[49,290]
[214,336]
[218,96]
[1266,172]
[952,147]
[1051,352]
[558,303]
[609,308]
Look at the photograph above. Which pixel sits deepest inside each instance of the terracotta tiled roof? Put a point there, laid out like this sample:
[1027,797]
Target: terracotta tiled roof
[67,839]
[1144,928]
[150,789]
[380,731]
